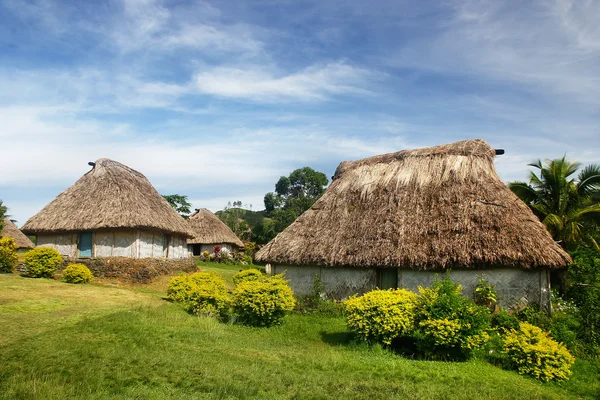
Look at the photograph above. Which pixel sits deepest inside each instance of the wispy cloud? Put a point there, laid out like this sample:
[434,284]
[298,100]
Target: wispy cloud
[313,83]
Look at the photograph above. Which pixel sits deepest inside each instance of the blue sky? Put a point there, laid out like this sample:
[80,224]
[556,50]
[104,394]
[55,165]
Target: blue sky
[216,100]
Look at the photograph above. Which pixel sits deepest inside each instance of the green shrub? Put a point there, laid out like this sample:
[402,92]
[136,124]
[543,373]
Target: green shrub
[251,274]
[381,315]
[485,293]
[447,324]
[531,351]
[263,302]
[504,322]
[180,288]
[583,287]
[201,293]
[42,262]
[8,254]
[77,273]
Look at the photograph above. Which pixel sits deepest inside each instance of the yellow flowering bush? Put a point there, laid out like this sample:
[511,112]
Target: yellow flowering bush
[263,302]
[209,297]
[8,254]
[180,288]
[532,352]
[42,262]
[251,274]
[201,293]
[447,324]
[77,273]
[381,315]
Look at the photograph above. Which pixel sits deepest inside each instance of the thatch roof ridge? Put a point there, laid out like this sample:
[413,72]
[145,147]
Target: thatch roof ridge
[11,230]
[109,196]
[434,208]
[209,229]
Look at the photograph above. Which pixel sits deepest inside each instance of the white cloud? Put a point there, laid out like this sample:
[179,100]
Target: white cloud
[313,83]
[545,47]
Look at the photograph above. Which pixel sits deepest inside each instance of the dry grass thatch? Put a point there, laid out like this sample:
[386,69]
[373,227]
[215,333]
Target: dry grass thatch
[432,208]
[110,196]
[11,230]
[208,229]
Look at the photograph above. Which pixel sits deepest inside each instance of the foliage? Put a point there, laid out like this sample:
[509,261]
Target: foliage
[3,210]
[380,316]
[209,296]
[449,325]
[251,274]
[201,293]
[179,288]
[316,295]
[8,254]
[567,206]
[42,262]
[531,351]
[485,293]
[179,203]
[583,287]
[206,255]
[250,249]
[293,195]
[77,273]
[263,302]
[503,321]
[232,217]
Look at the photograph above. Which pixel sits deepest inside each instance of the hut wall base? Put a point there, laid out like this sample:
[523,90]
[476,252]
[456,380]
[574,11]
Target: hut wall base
[516,288]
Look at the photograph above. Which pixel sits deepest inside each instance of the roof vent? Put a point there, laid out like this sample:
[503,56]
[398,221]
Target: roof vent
[92,164]
[499,152]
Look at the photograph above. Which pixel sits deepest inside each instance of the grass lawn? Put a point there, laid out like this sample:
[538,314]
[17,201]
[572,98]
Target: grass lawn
[104,341]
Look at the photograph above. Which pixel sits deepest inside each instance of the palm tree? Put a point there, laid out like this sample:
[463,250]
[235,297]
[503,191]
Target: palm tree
[568,207]
[3,210]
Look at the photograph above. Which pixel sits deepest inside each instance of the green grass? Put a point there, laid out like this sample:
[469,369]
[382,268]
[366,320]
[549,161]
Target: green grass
[102,342]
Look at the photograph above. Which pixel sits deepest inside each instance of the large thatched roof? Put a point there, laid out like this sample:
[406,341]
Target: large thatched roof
[208,229]
[432,208]
[110,196]
[11,230]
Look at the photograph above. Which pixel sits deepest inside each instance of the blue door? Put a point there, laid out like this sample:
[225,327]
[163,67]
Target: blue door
[85,244]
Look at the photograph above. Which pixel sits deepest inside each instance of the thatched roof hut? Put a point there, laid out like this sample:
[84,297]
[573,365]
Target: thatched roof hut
[209,229]
[11,230]
[110,196]
[426,209]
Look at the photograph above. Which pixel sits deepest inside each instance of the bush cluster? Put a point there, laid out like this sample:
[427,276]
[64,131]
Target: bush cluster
[263,302]
[251,274]
[531,351]
[447,324]
[382,315]
[8,254]
[583,288]
[42,262]
[442,324]
[201,293]
[77,273]
[257,300]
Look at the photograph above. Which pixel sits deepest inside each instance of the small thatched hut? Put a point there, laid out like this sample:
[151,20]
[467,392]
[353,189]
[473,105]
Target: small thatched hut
[11,230]
[210,231]
[112,210]
[395,220]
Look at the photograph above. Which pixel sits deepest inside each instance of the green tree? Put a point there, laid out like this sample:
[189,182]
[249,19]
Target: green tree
[179,203]
[3,210]
[293,195]
[567,206]
[232,215]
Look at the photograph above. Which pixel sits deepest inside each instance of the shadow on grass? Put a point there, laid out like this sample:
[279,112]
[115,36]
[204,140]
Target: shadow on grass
[337,338]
